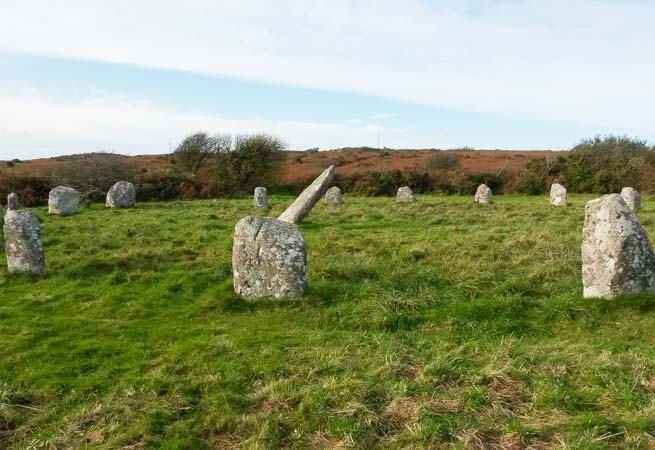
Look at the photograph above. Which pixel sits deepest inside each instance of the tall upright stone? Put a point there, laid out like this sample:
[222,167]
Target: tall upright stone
[269,259]
[23,245]
[261,198]
[557,195]
[617,257]
[483,195]
[405,195]
[632,198]
[121,195]
[333,196]
[63,200]
[12,201]
[302,206]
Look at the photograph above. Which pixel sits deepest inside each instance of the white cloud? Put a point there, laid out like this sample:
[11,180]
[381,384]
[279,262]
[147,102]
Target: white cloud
[382,116]
[584,62]
[32,125]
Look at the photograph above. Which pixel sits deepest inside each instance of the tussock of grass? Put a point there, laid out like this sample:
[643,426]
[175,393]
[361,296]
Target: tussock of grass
[438,324]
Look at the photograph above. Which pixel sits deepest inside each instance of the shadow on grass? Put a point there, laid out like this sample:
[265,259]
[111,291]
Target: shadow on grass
[643,303]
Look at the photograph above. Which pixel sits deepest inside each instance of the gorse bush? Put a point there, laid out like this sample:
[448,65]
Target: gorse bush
[599,165]
[386,183]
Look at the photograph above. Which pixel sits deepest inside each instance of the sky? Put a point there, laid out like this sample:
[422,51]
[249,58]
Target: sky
[136,76]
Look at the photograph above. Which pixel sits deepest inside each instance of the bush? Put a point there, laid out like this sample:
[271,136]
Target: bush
[442,160]
[92,174]
[31,190]
[223,167]
[600,165]
[495,181]
[162,187]
[197,149]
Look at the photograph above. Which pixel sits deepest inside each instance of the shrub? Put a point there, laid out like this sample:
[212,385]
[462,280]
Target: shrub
[92,174]
[197,149]
[495,181]
[600,165]
[442,160]
[31,190]
[224,167]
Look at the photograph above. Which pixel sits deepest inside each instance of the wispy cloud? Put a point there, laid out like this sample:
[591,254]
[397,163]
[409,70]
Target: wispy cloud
[31,122]
[382,116]
[581,63]
[585,61]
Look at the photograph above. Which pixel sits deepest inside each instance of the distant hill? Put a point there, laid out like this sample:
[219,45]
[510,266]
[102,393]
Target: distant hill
[299,166]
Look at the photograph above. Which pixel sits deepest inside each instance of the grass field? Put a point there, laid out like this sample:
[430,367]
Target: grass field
[439,324]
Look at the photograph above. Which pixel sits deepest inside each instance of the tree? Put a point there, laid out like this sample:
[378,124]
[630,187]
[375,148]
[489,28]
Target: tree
[197,150]
[255,159]
[226,167]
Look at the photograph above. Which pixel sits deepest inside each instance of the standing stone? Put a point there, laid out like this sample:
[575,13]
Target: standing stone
[483,195]
[632,197]
[63,200]
[12,201]
[269,259]
[261,198]
[617,257]
[23,243]
[557,195]
[121,195]
[300,208]
[405,195]
[333,196]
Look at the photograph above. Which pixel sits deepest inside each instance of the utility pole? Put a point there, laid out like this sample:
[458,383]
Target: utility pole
[169,145]
[378,139]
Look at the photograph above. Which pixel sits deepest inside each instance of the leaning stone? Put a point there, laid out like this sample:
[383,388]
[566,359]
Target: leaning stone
[261,198]
[302,206]
[63,200]
[617,257]
[23,243]
[632,197]
[12,201]
[483,195]
[269,259]
[405,195]
[557,195]
[333,196]
[121,195]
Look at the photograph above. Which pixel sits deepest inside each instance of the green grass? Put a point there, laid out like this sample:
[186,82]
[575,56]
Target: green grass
[436,324]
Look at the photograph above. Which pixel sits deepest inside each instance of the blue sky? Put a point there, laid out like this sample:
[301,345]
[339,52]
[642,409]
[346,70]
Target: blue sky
[79,76]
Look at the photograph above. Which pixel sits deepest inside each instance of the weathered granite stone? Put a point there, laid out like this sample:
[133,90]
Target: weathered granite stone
[483,195]
[632,198]
[557,195]
[405,195]
[302,206]
[617,257]
[63,200]
[261,198]
[12,201]
[269,259]
[121,195]
[23,243]
[333,196]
